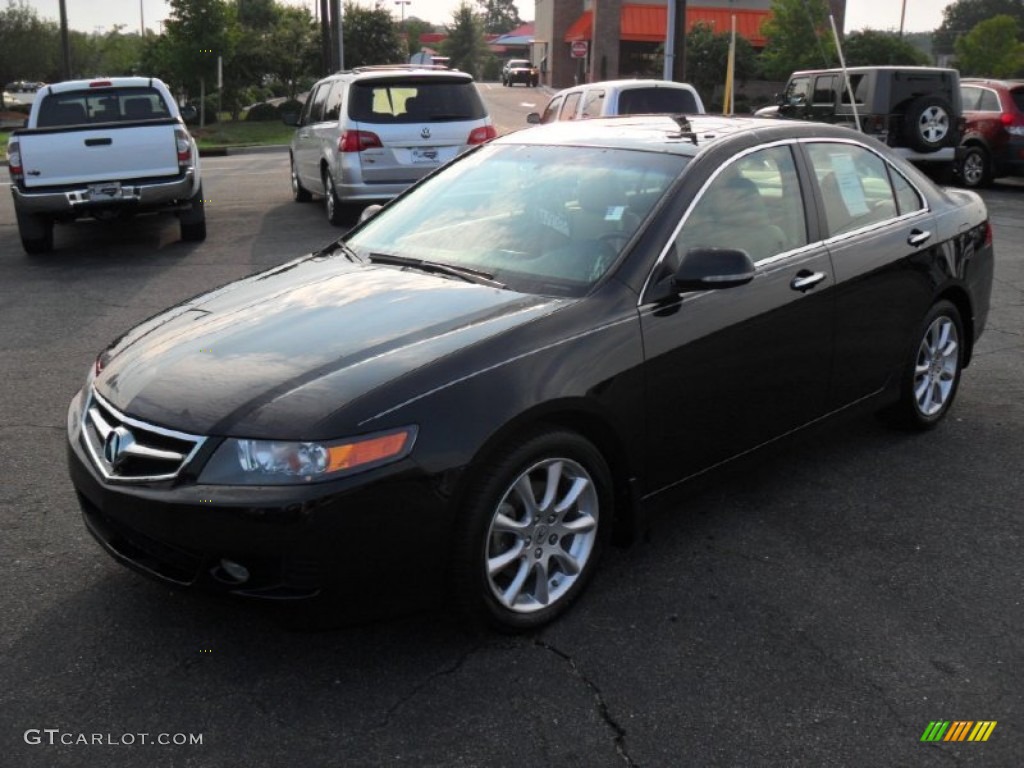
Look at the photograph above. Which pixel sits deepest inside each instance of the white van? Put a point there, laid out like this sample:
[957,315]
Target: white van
[620,97]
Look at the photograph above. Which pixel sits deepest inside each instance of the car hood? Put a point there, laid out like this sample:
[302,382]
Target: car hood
[277,353]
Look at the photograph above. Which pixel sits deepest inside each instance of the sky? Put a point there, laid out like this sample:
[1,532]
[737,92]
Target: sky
[102,15]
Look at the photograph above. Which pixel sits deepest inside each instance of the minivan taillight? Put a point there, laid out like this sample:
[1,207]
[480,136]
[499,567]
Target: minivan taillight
[184,147]
[482,134]
[357,141]
[14,161]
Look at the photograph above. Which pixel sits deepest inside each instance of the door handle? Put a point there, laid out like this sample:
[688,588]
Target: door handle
[918,237]
[98,142]
[806,280]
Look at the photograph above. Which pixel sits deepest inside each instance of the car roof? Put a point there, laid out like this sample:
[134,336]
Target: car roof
[991,81]
[885,68]
[390,71]
[688,135]
[112,82]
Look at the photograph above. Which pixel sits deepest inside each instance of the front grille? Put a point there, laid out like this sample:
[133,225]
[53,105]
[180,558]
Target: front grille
[128,450]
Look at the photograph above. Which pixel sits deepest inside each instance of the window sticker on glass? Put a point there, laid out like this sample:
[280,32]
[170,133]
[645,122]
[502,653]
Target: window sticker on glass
[849,183]
[614,213]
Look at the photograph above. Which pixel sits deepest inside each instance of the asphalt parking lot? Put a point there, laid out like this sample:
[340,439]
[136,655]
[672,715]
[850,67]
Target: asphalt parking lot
[819,605]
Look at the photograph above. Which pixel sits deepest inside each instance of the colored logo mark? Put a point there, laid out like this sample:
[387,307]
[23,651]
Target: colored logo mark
[958,730]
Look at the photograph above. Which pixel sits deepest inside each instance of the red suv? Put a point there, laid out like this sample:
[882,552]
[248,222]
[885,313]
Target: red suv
[994,137]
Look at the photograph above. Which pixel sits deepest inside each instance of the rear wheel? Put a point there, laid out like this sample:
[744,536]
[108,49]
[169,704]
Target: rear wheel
[332,205]
[932,375]
[36,231]
[193,221]
[299,192]
[531,531]
[975,168]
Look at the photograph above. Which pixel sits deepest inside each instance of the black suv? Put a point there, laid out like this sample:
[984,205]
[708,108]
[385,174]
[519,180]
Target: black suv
[916,110]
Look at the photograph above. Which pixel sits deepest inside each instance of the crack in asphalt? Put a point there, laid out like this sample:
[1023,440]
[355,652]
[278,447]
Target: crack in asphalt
[451,669]
[602,705]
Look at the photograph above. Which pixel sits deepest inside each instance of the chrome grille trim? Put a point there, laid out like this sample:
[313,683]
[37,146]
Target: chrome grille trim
[100,419]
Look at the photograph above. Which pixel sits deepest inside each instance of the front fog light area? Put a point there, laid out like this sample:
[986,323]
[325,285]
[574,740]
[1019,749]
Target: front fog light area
[240,461]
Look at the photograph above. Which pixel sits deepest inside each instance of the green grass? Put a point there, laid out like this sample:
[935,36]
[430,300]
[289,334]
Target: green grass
[228,133]
[4,136]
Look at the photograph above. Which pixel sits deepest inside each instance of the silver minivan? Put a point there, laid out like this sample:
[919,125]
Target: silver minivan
[620,97]
[367,134]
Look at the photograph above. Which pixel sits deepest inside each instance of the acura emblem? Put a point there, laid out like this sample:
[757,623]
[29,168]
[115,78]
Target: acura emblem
[425,133]
[116,446]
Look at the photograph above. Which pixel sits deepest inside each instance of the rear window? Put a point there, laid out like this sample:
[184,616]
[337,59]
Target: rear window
[415,101]
[104,105]
[1017,94]
[639,101]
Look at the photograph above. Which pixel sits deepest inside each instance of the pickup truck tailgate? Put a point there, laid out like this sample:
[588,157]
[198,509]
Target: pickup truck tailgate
[67,157]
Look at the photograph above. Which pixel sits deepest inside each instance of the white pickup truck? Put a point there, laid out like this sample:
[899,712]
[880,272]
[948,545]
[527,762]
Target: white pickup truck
[103,148]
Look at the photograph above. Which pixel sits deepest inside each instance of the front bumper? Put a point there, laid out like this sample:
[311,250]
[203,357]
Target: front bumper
[354,540]
[79,198]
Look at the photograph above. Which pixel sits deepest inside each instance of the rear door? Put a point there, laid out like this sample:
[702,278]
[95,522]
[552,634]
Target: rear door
[308,137]
[421,123]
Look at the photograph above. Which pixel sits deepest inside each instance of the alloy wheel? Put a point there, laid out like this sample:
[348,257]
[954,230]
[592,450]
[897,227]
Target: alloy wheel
[935,371]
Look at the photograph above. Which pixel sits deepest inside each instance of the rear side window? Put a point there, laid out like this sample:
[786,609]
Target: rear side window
[970,96]
[569,110]
[415,101]
[855,187]
[639,101]
[989,101]
[1017,94]
[101,105]
[592,103]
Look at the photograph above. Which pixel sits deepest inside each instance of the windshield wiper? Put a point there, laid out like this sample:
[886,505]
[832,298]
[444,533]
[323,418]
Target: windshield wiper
[463,273]
[345,248]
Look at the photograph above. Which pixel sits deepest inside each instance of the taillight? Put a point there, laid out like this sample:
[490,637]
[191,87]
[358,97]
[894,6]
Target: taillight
[14,161]
[1006,118]
[357,141]
[184,147]
[100,84]
[988,233]
[482,134]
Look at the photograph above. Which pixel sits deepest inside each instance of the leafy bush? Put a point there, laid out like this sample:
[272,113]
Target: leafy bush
[211,110]
[264,112]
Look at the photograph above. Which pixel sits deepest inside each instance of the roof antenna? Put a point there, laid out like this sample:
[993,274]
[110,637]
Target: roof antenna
[685,129]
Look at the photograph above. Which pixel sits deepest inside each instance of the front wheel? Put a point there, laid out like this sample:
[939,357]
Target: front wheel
[975,168]
[932,376]
[531,531]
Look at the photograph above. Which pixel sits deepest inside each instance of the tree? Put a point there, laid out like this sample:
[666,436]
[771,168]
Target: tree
[870,47]
[24,50]
[413,28]
[799,37]
[498,16]
[991,49]
[197,32]
[371,36]
[465,42]
[961,16]
[707,57]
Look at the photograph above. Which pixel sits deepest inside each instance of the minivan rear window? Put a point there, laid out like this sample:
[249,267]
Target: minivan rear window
[415,101]
[105,105]
[639,101]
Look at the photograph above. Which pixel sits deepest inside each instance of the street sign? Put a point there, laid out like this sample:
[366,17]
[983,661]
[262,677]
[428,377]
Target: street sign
[579,49]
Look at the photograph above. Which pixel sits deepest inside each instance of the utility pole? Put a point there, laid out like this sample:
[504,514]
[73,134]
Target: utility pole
[325,38]
[64,43]
[679,45]
[903,17]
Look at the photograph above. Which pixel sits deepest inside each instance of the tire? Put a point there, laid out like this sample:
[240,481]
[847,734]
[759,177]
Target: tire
[518,562]
[928,123]
[36,231]
[332,204]
[975,169]
[299,193]
[931,379]
[193,221]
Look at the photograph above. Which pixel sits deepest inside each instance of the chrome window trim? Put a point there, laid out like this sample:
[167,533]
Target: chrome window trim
[100,462]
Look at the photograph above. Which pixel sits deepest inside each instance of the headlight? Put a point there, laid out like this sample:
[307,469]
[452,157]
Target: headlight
[239,461]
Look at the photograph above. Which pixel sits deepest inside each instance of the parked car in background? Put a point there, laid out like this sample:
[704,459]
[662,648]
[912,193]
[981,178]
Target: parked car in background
[103,148]
[620,97]
[367,134]
[915,110]
[993,142]
[461,398]
[520,71]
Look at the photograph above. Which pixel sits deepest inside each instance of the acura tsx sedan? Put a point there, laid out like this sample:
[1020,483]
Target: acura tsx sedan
[464,395]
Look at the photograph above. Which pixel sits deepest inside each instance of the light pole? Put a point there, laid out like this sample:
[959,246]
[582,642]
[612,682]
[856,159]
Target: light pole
[403,3]
[903,17]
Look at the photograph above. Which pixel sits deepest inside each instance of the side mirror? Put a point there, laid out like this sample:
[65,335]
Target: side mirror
[533,118]
[189,113]
[290,118]
[708,269]
[369,212]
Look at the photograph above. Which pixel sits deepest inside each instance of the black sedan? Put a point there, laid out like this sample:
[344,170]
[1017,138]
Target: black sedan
[467,392]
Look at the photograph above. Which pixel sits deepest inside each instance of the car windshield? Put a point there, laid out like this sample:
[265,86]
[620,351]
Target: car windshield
[539,219]
[518,64]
